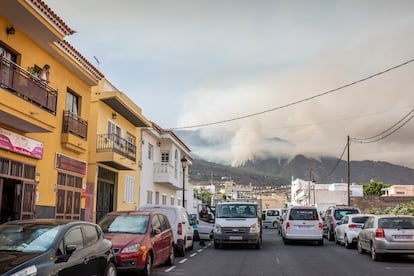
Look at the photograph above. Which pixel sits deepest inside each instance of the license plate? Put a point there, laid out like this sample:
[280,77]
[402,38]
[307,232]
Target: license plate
[304,226]
[235,238]
[403,237]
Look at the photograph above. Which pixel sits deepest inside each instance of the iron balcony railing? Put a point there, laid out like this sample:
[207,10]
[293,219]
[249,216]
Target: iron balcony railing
[74,124]
[27,86]
[113,142]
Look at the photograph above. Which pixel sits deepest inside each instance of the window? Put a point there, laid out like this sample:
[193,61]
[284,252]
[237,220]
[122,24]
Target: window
[114,133]
[72,102]
[155,224]
[129,189]
[130,142]
[176,164]
[172,201]
[149,197]
[157,197]
[74,237]
[150,151]
[164,200]
[165,157]
[91,235]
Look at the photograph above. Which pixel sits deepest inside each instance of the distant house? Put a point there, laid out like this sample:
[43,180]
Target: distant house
[399,190]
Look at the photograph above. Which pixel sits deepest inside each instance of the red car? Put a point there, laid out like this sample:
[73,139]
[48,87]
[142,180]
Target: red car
[140,239]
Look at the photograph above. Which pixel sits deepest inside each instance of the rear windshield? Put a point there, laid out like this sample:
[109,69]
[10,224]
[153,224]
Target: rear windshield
[360,219]
[303,214]
[338,214]
[396,223]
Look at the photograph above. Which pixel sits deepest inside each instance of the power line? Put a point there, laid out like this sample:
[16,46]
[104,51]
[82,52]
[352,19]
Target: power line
[339,160]
[382,135]
[299,101]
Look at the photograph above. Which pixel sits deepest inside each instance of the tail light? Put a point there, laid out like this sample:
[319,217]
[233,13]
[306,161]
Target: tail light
[287,225]
[320,227]
[352,225]
[331,221]
[180,229]
[379,233]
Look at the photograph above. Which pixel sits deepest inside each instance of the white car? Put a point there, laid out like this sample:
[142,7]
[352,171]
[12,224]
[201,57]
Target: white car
[346,232]
[302,223]
[183,230]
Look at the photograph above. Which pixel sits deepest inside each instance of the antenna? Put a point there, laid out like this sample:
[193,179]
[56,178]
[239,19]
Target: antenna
[97,60]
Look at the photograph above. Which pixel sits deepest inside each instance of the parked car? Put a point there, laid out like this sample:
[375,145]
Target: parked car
[302,223]
[271,218]
[182,229]
[141,239]
[52,247]
[332,215]
[387,234]
[346,232]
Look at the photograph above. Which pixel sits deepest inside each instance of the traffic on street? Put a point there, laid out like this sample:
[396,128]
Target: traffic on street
[275,258]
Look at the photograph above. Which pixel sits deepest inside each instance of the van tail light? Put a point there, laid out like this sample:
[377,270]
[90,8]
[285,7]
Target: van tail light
[352,225]
[331,221]
[379,233]
[287,225]
[180,229]
[320,227]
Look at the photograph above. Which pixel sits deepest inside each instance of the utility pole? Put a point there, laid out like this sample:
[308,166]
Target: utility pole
[349,174]
[309,186]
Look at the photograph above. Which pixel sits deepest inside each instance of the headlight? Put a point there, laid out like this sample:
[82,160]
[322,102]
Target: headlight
[254,228]
[217,228]
[28,271]
[131,248]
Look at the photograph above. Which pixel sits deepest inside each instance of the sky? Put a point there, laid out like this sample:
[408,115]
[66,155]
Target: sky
[276,65]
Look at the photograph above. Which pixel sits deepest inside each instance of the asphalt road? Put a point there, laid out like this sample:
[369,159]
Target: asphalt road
[275,258]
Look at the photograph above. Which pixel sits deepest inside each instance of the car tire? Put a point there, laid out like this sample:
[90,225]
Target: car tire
[258,245]
[181,251]
[346,243]
[330,236]
[359,247]
[286,241]
[171,258]
[217,245]
[148,266]
[336,239]
[374,255]
[191,247]
[110,270]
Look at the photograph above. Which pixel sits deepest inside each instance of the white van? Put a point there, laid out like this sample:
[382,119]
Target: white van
[271,218]
[182,229]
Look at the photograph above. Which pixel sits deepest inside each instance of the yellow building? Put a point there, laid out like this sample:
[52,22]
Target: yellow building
[49,132]
[114,152]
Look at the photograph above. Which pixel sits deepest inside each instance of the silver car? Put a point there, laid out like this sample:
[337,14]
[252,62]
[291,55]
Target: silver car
[347,229]
[387,234]
[302,223]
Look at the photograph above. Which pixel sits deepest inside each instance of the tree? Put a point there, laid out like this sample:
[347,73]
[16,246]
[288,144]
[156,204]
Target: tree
[204,196]
[374,188]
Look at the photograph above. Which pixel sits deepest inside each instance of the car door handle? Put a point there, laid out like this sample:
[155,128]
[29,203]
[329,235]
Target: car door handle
[86,260]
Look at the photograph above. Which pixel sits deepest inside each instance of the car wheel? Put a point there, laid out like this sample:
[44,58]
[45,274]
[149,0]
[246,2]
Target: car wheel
[148,266]
[286,241]
[171,256]
[359,247]
[346,242]
[258,245]
[374,255]
[330,236]
[110,270]
[181,251]
[216,245]
[275,225]
[191,247]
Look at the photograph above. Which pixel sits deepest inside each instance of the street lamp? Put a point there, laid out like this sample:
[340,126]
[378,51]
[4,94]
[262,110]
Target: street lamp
[184,165]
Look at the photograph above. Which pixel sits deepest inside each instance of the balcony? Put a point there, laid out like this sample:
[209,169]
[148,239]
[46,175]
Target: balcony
[164,174]
[74,132]
[26,86]
[116,152]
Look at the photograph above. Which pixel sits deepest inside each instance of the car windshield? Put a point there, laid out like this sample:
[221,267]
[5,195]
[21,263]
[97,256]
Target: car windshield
[303,214]
[236,211]
[27,238]
[134,224]
[338,214]
[396,223]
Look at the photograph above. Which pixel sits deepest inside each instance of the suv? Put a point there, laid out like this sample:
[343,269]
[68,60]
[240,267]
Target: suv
[182,228]
[332,216]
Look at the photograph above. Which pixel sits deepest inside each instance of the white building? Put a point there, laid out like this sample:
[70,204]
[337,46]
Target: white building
[162,176]
[309,193]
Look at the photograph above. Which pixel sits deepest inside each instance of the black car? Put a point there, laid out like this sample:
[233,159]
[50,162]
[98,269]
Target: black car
[54,247]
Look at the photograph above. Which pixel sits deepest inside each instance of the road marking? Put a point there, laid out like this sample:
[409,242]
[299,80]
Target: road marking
[192,255]
[277,261]
[183,261]
[199,250]
[171,268]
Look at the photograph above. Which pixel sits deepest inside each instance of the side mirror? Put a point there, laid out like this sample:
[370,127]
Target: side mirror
[155,232]
[70,248]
